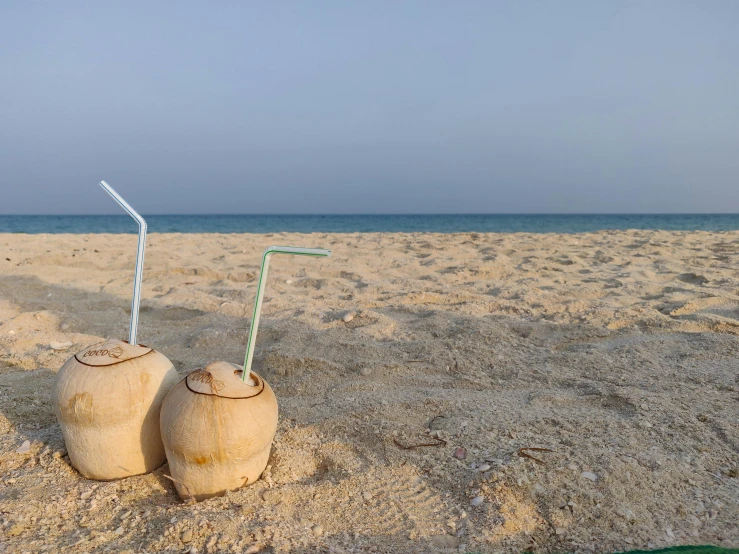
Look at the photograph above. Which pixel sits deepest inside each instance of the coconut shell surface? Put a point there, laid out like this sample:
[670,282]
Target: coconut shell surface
[107,399]
[218,430]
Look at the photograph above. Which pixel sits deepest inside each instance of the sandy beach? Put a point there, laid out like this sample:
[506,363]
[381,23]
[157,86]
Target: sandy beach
[413,372]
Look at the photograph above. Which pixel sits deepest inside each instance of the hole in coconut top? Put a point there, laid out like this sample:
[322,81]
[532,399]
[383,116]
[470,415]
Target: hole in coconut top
[251,381]
[139,344]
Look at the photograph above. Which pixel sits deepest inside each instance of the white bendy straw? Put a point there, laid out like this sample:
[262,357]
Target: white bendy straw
[319,252]
[139,261]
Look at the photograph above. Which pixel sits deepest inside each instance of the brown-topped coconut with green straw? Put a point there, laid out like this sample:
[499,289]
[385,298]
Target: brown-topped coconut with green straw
[107,398]
[219,422]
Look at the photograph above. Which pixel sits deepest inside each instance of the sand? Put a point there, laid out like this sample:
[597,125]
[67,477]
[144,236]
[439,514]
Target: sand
[617,351]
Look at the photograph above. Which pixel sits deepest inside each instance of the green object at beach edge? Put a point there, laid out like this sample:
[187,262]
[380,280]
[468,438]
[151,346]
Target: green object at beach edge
[687,549]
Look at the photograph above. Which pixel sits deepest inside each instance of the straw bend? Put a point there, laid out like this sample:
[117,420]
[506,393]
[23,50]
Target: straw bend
[295,250]
[138,272]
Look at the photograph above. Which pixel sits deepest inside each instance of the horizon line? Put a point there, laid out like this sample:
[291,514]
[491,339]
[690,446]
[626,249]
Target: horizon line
[510,214]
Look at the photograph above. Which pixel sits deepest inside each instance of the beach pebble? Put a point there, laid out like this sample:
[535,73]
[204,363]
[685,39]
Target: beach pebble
[24,448]
[317,529]
[288,281]
[64,326]
[348,317]
[560,531]
[572,466]
[461,453]
[365,371]
[477,501]
[367,496]
[85,495]
[59,345]
[589,475]
[253,549]
[187,536]
[483,468]
[11,332]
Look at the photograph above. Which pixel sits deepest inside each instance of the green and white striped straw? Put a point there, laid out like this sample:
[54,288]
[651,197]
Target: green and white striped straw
[317,252]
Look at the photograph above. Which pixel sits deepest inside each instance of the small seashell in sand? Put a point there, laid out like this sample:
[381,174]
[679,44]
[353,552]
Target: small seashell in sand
[317,530]
[54,345]
[348,317]
[64,326]
[589,475]
[477,501]
[460,453]
[24,448]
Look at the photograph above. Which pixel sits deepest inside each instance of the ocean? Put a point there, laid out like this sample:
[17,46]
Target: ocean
[480,223]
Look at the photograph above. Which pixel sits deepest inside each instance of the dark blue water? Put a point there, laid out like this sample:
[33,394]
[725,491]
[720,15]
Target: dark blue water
[535,223]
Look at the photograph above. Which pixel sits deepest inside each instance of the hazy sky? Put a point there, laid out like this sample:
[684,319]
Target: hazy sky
[372,107]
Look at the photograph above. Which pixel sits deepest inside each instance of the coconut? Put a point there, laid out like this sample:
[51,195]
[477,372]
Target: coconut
[107,399]
[218,430]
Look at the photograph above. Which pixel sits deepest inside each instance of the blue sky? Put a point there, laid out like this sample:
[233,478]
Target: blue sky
[374,107]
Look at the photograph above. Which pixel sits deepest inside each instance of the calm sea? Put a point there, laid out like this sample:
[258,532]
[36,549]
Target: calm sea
[534,223]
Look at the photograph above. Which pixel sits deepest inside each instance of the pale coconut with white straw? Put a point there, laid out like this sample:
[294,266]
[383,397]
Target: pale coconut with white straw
[219,422]
[107,398]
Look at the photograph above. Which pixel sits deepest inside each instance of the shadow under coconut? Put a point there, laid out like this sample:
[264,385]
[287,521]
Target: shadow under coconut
[27,404]
[97,313]
[88,312]
[189,338]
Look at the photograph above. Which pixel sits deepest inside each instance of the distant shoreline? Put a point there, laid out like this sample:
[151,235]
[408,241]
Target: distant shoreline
[431,223]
